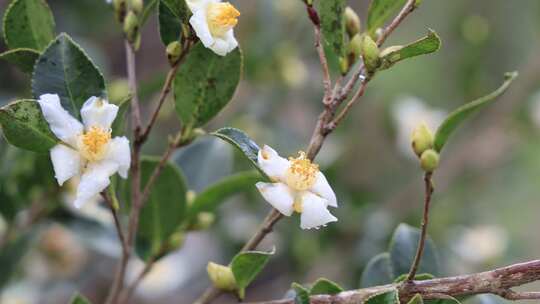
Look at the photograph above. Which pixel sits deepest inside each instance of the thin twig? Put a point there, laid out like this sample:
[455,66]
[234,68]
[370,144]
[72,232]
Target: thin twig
[425,221]
[498,282]
[327,83]
[117,224]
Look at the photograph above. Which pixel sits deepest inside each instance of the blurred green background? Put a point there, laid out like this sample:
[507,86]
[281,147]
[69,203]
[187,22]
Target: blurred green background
[485,208]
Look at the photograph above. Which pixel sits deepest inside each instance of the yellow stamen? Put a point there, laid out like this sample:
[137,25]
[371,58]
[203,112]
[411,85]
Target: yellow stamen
[93,143]
[221,17]
[302,174]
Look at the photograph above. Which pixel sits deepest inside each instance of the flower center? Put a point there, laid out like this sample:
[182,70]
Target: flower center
[301,174]
[221,18]
[93,143]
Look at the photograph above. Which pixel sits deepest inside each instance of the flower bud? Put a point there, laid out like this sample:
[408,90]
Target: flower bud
[355,46]
[344,65]
[120,10]
[174,50]
[136,5]
[421,139]
[352,22]
[370,53]
[429,161]
[204,221]
[221,276]
[176,240]
[131,27]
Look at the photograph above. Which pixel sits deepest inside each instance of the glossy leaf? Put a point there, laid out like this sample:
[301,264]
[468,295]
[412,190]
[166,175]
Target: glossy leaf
[205,84]
[164,211]
[452,122]
[333,24]
[24,59]
[403,250]
[66,70]
[426,45]
[119,124]
[79,299]
[172,14]
[378,271]
[205,162]
[247,265]
[28,24]
[325,286]
[241,141]
[213,196]
[11,256]
[301,294]
[391,297]
[24,126]
[148,10]
[380,11]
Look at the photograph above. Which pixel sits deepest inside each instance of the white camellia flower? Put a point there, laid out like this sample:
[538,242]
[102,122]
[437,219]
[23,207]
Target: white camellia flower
[86,149]
[298,186]
[213,22]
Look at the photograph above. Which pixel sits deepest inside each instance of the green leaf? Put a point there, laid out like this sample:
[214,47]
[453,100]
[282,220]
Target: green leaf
[417,299]
[247,265]
[11,256]
[379,11]
[333,24]
[216,155]
[452,122]
[403,250]
[119,124]
[172,14]
[390,297]
[241,140]
[147,12]
[205,84]
[378,271]
[79,299]
[24,59]
[426,45]
[302,294]
[165,210]
[66,70]
[417,277]
[28,24]
[325,286]
[24,126]
[213,196]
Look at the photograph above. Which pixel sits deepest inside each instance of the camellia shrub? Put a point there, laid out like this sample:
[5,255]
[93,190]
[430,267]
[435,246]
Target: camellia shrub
[89,143]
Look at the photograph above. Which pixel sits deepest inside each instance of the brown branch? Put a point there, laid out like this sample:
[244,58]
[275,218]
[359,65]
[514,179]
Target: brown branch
[498,282]
[428,184]
[117,224]
[327,83]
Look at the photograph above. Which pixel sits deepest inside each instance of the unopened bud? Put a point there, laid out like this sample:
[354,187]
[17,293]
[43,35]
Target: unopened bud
[136,5]
[221,276]
[176,240]
[421,139]
[355,46]
[352,22]
[204,221]
[429,161]
[370,54]
[131,27]
[120,10]
[174,50]
[344,65]
[190,197]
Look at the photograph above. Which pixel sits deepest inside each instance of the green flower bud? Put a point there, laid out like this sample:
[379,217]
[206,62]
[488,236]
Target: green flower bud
[355,46]
[221,276]
[120,10]
[190,197]
[429,161]
[370,53]
[344,65]
[174,50]
[352,22]
[131,27]
[136,5]
[176,240]
[204,221]
[421,139]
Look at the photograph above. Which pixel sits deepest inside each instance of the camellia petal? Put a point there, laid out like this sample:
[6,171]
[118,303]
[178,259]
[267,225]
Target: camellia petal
[118,152]
[97,112]
[94,180]
[199,4]
[278,195]
[62,124]
[272,164]
[314,212]
[66,162]
[323,189]
[200,26]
